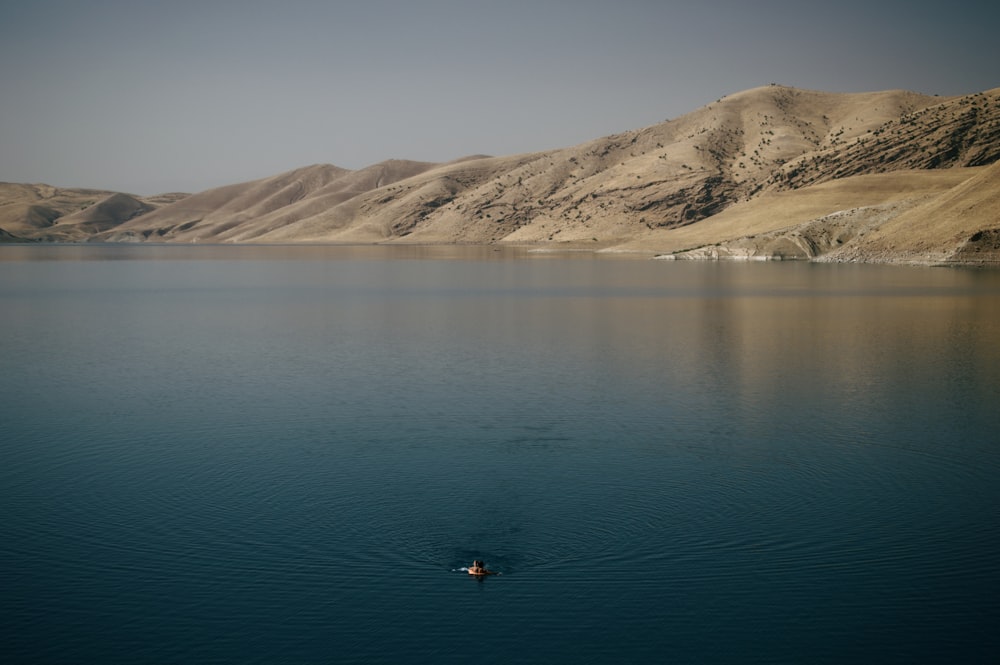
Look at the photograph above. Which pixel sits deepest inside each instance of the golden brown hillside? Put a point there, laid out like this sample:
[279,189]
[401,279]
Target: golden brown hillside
[772,172]
[960,225]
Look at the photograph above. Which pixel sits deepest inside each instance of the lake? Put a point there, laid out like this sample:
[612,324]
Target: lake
[289,455]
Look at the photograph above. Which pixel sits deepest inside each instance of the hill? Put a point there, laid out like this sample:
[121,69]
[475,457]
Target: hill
[54,214]
[772,172]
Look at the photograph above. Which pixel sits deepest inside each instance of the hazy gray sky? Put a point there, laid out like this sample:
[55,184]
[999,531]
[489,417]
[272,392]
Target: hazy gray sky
[150,97]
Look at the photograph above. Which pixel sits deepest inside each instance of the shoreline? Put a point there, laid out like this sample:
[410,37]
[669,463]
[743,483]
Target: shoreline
[528,248]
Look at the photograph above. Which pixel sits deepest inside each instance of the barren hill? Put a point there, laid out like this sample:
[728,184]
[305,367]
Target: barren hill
[108,213]
[248,211]
[772,172]
[43,212]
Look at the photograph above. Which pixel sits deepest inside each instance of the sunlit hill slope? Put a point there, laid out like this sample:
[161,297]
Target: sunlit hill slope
[772,172]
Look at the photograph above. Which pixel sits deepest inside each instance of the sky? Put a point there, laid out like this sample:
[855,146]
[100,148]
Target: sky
[152,97]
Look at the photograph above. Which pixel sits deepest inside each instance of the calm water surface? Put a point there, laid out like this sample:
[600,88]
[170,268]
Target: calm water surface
[287,455]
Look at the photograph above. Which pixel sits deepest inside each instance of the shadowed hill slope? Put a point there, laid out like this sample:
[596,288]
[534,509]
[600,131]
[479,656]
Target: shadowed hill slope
[108,213]
[43,212]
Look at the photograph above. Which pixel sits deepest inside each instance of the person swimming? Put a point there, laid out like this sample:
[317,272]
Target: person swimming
[478,568]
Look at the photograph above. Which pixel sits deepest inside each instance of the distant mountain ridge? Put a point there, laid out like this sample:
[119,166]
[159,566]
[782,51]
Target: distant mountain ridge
[772,172]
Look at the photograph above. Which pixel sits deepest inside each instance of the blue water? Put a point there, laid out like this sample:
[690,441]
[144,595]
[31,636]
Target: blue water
[287,455]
